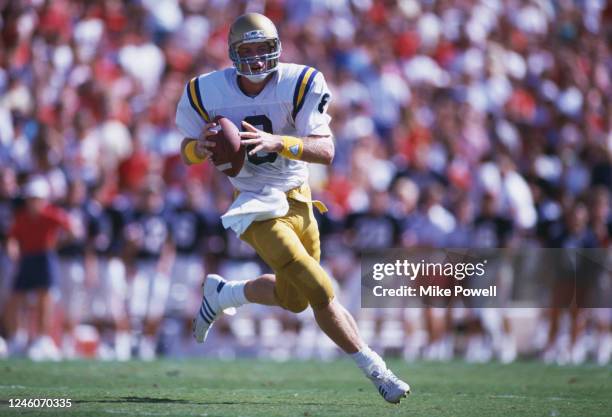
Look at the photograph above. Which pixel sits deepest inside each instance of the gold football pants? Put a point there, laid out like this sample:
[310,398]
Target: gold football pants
[290,246]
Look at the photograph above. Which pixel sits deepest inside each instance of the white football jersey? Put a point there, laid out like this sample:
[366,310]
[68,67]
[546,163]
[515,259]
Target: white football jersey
[294,103]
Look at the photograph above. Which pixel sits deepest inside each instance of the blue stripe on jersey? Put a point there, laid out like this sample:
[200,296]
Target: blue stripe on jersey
[195,98]
[199,95]
[302,87]
[297,86]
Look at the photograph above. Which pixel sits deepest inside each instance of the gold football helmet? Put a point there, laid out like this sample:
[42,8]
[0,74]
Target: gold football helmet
[251,28]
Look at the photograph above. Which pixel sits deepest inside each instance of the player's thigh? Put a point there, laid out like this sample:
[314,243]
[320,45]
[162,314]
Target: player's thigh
[275,241]
[279,246]
[279,242]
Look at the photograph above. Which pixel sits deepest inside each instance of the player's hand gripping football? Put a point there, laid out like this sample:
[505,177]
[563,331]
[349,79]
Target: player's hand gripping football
[263,141]
[203,146]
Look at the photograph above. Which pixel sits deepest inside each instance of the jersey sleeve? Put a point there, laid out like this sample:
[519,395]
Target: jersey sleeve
[310,102]
[187,121]
[191,116]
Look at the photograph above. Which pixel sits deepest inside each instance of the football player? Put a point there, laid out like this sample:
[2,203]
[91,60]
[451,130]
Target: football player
[110,290]
[188,227]
[75,262]
[283,109]
[150,253]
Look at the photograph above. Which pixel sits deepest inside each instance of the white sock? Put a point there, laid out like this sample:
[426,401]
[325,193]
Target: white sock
[232,294]
[366,359]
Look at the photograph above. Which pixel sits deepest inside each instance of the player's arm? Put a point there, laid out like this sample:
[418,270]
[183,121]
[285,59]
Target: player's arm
[197,150]
[194,146]
[317,149]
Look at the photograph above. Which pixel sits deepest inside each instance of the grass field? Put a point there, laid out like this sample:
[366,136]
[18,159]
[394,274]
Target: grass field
[257,388]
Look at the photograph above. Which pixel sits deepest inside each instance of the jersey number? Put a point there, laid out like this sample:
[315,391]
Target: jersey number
[261,121]
[323,102]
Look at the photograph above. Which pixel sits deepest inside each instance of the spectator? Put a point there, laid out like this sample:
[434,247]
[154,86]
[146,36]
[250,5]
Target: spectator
[33,235]
[150,253]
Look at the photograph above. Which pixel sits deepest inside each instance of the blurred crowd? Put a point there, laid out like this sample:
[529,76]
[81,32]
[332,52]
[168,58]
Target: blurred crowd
[464,123]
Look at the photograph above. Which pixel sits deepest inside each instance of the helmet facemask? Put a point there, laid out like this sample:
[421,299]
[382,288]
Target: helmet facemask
[270,60]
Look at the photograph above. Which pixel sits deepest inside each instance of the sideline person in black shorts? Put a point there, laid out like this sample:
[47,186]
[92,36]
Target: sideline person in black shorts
[33,241]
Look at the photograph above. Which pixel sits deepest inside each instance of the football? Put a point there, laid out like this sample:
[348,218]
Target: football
[227,155]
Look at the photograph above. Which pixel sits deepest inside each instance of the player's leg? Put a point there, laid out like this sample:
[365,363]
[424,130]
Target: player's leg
[338,324]
[350,320]
[261,290]
[278,245]
[220,295]
[333,319]
[300,280]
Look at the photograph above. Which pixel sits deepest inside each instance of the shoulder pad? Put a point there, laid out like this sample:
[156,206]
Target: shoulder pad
[203,92]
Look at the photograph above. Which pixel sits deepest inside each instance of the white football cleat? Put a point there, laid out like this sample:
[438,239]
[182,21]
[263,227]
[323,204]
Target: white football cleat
[209,310]
[389,386]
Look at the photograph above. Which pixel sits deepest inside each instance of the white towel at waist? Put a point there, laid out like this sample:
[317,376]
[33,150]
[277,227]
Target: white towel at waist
[250,207]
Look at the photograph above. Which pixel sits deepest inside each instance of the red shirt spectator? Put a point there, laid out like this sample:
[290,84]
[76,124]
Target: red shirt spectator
[37,233]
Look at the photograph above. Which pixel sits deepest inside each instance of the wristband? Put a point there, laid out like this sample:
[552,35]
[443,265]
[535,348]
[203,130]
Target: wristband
[292,147]
[190,154]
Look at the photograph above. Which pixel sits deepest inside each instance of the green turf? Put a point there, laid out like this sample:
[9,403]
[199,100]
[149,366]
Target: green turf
[257,388]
